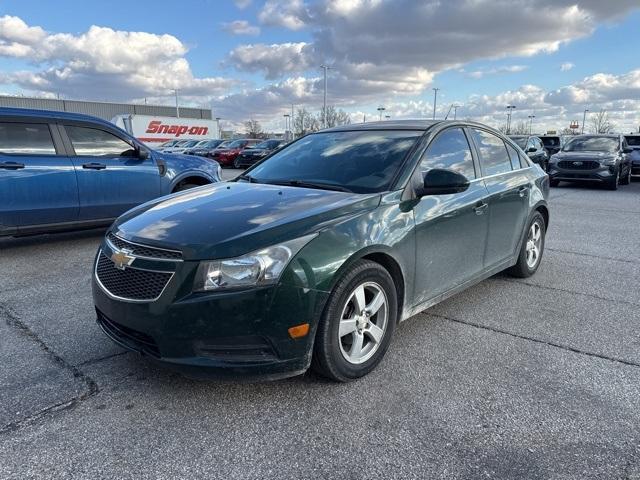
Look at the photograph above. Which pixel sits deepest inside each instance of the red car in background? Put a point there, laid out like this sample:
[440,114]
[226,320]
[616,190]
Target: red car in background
[226,156]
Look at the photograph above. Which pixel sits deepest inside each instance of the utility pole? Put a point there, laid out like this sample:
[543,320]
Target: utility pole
[584,118]
[324,103]
[175,91]
[380,110]
[509,109]
[435,100]
[531,117]
[286,127]
[455,111]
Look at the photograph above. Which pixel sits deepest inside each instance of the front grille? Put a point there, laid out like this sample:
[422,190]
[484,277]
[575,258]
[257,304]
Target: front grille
[142,250]
[131,283]
[132,338]
[585,165]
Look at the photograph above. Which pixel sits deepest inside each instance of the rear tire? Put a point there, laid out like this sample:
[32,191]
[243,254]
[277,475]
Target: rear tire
[357,323]
[185,186]
[554,183]
[531,249]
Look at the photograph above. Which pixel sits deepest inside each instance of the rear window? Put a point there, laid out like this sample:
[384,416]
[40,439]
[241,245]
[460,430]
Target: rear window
[516,161]
[26,139]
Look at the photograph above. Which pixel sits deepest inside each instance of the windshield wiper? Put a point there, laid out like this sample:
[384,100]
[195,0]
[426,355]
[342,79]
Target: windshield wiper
[318,185]
[248,178]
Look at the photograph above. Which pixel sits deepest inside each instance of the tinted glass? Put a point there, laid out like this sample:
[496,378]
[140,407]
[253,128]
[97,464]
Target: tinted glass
[551,141]
[633,141]
[493,153]
[515,157]
[26,138]
[237,144]
[450,150]
[213,143]
[520,141]
[592,144]
[361,161]
[94,142]
[268,145]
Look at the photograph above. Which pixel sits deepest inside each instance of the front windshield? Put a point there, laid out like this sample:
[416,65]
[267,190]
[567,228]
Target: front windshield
[592,144]
[212,143]
[520,141]
[170,143]
[189,143]
[360,161]
[237,144]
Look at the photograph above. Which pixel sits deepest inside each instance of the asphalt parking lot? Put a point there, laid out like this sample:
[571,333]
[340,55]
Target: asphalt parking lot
[537,378]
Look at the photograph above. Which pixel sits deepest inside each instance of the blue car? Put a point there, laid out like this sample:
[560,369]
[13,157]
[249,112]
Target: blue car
[64,171]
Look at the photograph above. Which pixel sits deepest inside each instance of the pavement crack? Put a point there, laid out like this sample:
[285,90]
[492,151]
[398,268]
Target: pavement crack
[611,259]
[567,348]
[93,361]
[13,321]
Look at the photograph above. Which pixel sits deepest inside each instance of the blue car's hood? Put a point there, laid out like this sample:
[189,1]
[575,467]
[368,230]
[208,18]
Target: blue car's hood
[230,219]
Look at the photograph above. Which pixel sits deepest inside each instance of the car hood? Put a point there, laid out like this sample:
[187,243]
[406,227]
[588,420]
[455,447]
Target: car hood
[597,156]
[229,219]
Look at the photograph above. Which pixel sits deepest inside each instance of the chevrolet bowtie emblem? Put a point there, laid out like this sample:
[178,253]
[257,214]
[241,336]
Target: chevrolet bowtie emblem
[122,258]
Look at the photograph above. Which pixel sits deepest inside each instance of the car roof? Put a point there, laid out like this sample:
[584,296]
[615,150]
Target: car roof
[49,114]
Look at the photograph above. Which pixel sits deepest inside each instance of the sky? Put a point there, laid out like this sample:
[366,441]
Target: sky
[255,58]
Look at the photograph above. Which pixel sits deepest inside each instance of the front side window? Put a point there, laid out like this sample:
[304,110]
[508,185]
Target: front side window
[520,141]
[95,143]
[358,161]
[26,139]
[450,150]
[493,153]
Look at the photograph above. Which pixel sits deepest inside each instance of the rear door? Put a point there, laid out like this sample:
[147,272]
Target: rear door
[37,179]
[451,230]
[111,177]
[509,188]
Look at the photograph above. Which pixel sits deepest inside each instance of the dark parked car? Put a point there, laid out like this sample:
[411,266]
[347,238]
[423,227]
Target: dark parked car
[534,149]
[633,141]
[250,156]
[61,171]
[227,156]
[313,256]
[553,143]
[593,158]
[203,149]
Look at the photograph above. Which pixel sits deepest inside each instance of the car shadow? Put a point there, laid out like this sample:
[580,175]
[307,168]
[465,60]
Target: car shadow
[49,238]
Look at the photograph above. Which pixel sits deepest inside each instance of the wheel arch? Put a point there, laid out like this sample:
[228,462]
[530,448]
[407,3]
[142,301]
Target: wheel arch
[544,211]
[196,178]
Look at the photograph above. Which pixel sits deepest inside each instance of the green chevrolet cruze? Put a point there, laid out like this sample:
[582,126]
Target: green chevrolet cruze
[314,255]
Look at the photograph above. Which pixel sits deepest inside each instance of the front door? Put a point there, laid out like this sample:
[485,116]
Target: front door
[37,182]
[509,187]
[451,230]
[111,177]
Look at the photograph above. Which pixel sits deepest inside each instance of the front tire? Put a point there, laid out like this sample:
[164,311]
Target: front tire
[357,324]
[554,183]
[627,178]
[185,186]
[614,182]
[532,248]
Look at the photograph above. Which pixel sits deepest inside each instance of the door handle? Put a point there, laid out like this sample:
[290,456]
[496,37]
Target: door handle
[94,166]
[11,165]
[480,208]
[522,191]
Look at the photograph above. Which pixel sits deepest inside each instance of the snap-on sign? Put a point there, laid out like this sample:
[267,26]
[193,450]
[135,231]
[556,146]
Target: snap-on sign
[157,126]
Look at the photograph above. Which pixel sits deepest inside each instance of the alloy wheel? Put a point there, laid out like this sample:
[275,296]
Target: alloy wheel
[534,244]
[363,322]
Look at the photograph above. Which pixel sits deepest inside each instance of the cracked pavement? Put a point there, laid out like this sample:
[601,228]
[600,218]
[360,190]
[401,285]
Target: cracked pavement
[535,378]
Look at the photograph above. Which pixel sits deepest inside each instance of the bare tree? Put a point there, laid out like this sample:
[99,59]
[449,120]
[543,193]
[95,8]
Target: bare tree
[601,123]
[569,131]
[521,128]
[253,128]
[304,122]
[334,117]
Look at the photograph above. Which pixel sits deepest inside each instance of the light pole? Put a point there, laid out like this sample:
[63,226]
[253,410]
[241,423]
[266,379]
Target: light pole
[584,118]
[387,117]
[509,109]
[175,91]
[435,100]
[286,128]
[218,125]
[455,111]
[324,103]
[380,110]
[531,117]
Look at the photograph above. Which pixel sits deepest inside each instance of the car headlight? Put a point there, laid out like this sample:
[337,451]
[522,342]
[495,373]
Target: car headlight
[609,162]
[262,267]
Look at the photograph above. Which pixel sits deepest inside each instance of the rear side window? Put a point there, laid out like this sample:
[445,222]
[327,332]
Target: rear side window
[633,141]
[95,143]
[26,139]
[450,150]
[493,153]
[515,158]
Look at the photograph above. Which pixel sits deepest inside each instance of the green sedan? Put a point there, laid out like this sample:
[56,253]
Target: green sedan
[312,257]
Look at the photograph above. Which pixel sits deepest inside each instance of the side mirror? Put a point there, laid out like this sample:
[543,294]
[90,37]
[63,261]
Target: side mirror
[143,153]
[439,181]
[531,149]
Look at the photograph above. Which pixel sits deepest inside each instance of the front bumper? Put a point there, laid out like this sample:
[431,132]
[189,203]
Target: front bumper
[215,335]
[602,173]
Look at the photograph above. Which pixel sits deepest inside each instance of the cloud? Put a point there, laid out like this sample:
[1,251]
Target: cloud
[242,4]
[498,70]
[271,60]
[291,14]
[101,63]
[241,27]
[565,67]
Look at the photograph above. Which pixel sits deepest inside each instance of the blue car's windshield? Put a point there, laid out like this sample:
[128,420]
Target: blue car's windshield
[358,161]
